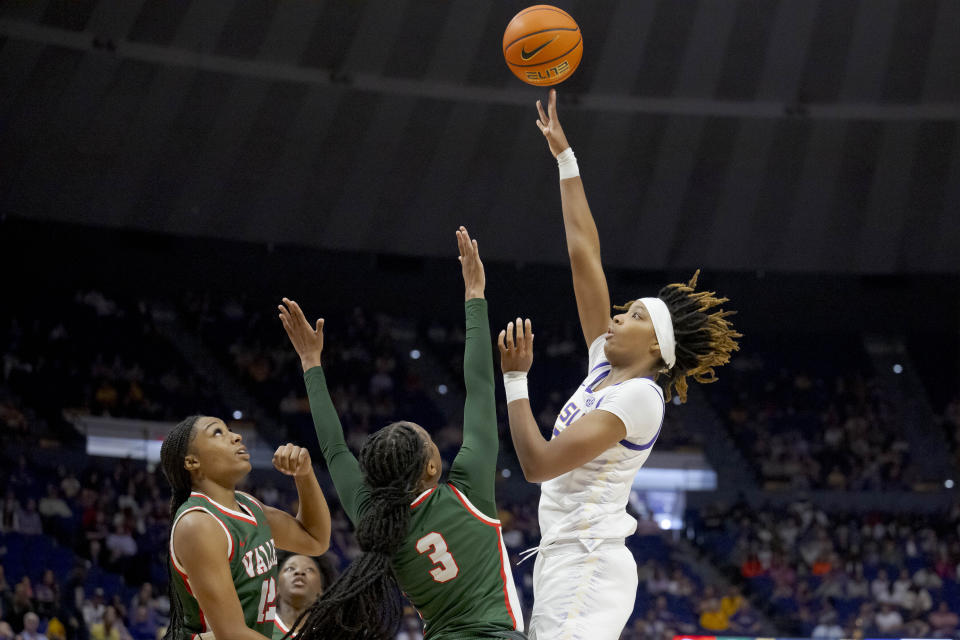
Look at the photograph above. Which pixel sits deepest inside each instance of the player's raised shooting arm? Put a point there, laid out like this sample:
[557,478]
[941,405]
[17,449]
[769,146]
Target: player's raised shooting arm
[583,241]
[343,466]
[475,467]
[202,550]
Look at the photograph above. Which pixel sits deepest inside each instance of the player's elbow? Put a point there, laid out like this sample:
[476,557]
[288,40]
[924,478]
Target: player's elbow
[318,545]
[311,547]
[582,248]
[534,472]
[583,254]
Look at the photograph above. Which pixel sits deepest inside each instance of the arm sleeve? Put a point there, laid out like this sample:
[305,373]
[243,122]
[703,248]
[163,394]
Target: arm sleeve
[475,467]
[640,407]
[343,466]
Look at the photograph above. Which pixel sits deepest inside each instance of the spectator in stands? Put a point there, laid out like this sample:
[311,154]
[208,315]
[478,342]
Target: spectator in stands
[832,585]
[916,627]
[752,567]
[117,603]
[94,608]
[96,533]
[31,622]
[28,520]
[827,628]
[900,589]
[732,602]
[20,604]
[121,545]
[56,630]
[649,628]
[857,586]
[927,578]
[69,484]
[888,619]
[659,583]
[679,584]
[110,628]
[917,601]
[712,617]
[9,511]
[145,598]
[52,505]
[666,619]
[48,595]
[745,620]
[6,632]
[143,625]
[880,588]
[821,565]
[944,622]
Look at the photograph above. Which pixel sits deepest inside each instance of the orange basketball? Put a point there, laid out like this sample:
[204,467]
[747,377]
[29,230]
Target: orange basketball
[542,45]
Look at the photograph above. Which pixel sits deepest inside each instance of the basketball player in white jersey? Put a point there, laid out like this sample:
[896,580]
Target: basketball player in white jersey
[585,578]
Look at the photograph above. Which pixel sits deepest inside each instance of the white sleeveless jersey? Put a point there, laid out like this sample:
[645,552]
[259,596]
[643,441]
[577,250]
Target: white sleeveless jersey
[590,501]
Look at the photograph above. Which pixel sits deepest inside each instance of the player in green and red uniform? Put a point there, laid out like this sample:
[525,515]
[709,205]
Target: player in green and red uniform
[440,543]
[223,542]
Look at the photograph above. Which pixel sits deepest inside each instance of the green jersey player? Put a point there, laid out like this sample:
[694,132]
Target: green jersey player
[223,542]
[439,542]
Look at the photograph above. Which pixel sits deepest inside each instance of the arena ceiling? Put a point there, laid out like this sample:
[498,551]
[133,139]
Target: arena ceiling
[800,135]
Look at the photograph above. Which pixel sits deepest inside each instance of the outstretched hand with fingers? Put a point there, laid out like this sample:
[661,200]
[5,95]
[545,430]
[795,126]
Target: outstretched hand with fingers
[474,280]
[516,351]
[549,125]
[307,340]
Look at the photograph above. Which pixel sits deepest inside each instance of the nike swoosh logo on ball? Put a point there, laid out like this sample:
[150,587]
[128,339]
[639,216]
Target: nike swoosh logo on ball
[526,55]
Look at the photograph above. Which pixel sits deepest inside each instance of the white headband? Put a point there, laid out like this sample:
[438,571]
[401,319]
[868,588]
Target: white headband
[663,327]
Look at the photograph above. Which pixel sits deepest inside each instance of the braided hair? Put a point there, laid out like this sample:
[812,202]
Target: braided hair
[705,339]
[364,602]
[173,451]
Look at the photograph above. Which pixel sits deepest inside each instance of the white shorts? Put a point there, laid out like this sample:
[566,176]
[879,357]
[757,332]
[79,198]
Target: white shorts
[580,594]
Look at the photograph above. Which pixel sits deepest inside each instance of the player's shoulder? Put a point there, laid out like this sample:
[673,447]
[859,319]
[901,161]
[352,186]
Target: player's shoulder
[196,520]
[645,383]
[198,528]
[636,391]
[449,500]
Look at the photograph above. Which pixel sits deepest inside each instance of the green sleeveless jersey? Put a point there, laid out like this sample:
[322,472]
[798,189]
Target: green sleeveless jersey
[253,563]
[452,565]
[454,568]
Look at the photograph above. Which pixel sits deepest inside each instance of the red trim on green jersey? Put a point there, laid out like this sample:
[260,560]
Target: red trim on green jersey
[500,547]
[423,496]
[247,517]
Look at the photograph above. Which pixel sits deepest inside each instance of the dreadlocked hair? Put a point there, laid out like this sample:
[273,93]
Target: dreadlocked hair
[364,602]
[172,454]
[705,339]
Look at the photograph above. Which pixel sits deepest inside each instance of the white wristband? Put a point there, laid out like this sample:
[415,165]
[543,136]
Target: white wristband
[568,164]
[515,385]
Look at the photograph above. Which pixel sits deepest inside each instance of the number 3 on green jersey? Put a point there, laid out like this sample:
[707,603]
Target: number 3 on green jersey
[446,568]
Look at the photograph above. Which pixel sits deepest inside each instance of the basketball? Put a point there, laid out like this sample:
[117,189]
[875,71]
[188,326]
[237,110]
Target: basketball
[542,45]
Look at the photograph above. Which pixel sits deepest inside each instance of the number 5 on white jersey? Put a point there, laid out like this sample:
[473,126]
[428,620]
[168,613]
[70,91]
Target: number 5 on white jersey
[446,568]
